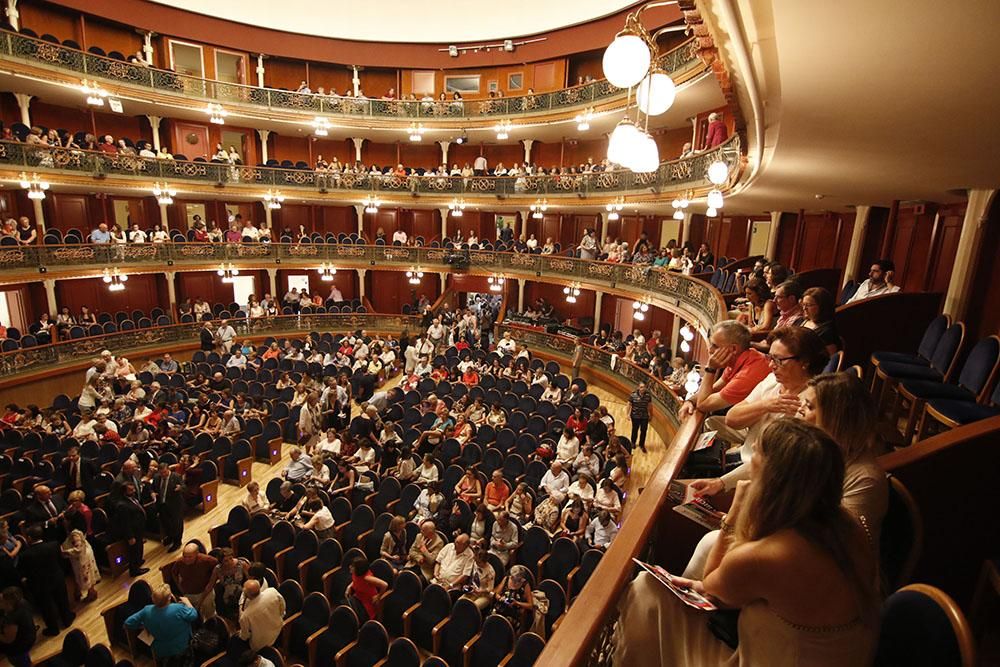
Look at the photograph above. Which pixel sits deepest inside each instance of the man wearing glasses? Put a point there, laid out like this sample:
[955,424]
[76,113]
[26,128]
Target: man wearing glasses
[733,370]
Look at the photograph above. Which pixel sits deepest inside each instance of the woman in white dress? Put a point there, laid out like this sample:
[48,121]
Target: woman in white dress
[81,557]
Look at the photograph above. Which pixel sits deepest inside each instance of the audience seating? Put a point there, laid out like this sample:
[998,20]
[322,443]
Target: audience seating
[371,646]
[943,639]
[901,538]
[942,363]
[494,641]
[953,413]
[402,653]
[526,650]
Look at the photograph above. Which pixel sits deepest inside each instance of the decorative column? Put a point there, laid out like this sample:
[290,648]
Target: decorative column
[23,103]
[268,216]
[520,295]
[358,142]
[685,229]
[675,336]
[171,289]
[13,16]
[598,300]
[263,134]
[956,300]
[164,220]
[50,296]
[36,204]
[359,210]
[602,221]
[272,277]
[260,70]
[444,223]
[527,149]
[772,235]
[853,269]
[361,282]
[444,151]
[154,123]
[356,82]
[444,281]
[147,48]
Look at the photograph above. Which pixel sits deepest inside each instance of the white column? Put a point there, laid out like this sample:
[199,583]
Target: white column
[13,16]
[685,228]
[604,227]
[272,277]
[263,134]
[358,142]
[852,269]
[444,151]
[361,282]
[50,296]
[171,289]
[147,48]
[154,123]
[267,218]
[36,204]
[356,81]
[772,235]
[527,149]
[260,70]
[956,301]
[164,220]
[444,224]
[675,336]
[520,295]
[598,300]
[444,281]
[23,103]
[359,209]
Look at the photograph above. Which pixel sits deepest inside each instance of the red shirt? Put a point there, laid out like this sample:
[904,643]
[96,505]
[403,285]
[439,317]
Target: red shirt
[470,377]
[717,134]
[741,376]
[365,592]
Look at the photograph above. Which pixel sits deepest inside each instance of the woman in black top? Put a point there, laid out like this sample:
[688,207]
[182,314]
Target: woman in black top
[819,308]
[26,233]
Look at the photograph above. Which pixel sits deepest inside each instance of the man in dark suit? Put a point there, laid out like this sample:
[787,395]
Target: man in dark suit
[168,490]
[129,474]
[207,337]
[42,570]
[46,512]
[129,525]
[78,473]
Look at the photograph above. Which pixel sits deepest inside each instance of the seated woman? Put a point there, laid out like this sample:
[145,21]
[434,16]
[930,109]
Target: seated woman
[427,504]
[393,548]
[469,488]
[759,312]
[819,308]
[552,393]
[790,558]
[519,504]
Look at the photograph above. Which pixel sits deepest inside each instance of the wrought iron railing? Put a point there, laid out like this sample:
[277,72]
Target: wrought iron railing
[671,177]
[673,291]
[679,62]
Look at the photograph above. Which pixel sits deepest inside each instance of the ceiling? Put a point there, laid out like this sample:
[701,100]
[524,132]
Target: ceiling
[406,21]
[864,102]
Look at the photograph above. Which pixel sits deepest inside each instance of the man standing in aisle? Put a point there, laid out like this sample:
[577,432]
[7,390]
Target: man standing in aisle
[168,489]
[638,403]
[225,335]
[130,524]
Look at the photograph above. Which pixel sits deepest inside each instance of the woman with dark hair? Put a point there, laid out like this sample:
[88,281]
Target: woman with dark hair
[364,588]
[819,308]
[790,558]
[759,311]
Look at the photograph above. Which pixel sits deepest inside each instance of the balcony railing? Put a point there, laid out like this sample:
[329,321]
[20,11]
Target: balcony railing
[670,177]
[678,62]
[696,299]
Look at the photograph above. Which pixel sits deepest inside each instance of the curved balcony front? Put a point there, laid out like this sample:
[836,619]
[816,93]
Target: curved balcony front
[57,63]
[71,166]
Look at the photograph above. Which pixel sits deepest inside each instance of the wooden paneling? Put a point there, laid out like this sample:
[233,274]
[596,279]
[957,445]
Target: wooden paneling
[426,224]
[336,219]
[383,155]
[331,77]
[284,73]
[389,290]
[553,293]
[342,149]
[206,285]
[69,211]
[426,154]
[942,259]
[983,313]
[142,292]
[346,281]
[110,36]
[45,18]
[289,147]
[191,140]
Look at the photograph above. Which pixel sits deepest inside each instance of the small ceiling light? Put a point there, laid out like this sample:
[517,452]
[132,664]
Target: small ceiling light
[714,199]
[622,142]
[645,156]
[626,60]
[35,186]
[228,273]
[371,204]
[414,275]
[496,282]
[273,199]
[539,208]
[95,94]
[572,292]
[583,120]
[416,132]
[503,130]
[114,279]
[216,113]
[321,126]
[456,207]
[614,209]
[711,212]
[164,194]
[718,172]
[686,332]
[639,310]
[327,272]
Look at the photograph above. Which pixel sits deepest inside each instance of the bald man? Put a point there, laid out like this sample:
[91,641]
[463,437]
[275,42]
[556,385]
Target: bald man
[191,576]
[261,615]
[454,563]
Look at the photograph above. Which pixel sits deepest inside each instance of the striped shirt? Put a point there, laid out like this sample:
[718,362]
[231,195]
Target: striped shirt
[639,404]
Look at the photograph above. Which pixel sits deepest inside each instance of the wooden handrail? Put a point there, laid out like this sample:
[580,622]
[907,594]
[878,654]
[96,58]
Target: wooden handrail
[585,621]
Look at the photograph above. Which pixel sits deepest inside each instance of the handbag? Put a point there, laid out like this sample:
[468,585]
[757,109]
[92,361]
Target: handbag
[724,624]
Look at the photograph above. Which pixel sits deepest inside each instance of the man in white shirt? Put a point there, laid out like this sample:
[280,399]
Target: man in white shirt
[879,281]
[479,166]
[250,231]
[335,294]
[262,614]
[237,360]
[136,235]
[601,531]
[556,482]
[399,235]
[454,563]
[436,332]
[225,335]
[506,345]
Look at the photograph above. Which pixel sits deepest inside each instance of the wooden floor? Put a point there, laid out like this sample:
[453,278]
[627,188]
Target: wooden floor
[113,591]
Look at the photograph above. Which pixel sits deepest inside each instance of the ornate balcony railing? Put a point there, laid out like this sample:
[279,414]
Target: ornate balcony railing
[679,63]
[671,177]
[695,299]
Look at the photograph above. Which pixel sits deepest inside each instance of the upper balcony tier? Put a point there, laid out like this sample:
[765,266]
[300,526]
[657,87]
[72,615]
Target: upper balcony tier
[59,64]
[76,167]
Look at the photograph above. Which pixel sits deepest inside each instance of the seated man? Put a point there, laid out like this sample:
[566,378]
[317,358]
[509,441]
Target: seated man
[555,483]
[422,557]
[300,468]
[601,530]
[168,365]
[742,369]
[453,563]
[879,281]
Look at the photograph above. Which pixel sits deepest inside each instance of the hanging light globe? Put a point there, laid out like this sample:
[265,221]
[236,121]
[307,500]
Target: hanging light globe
[656,94]
[646,157]
[714,199]
[678,214]
[622,142]
[626,60]
[718,172]
[711,212]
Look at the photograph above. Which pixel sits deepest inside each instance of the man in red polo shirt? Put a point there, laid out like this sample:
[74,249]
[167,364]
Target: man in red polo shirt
[733,370]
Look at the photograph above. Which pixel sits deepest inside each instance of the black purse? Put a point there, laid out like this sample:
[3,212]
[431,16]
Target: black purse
[724,625]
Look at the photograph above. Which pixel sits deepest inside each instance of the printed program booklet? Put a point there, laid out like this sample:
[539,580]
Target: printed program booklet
[701,512]
[688,596]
